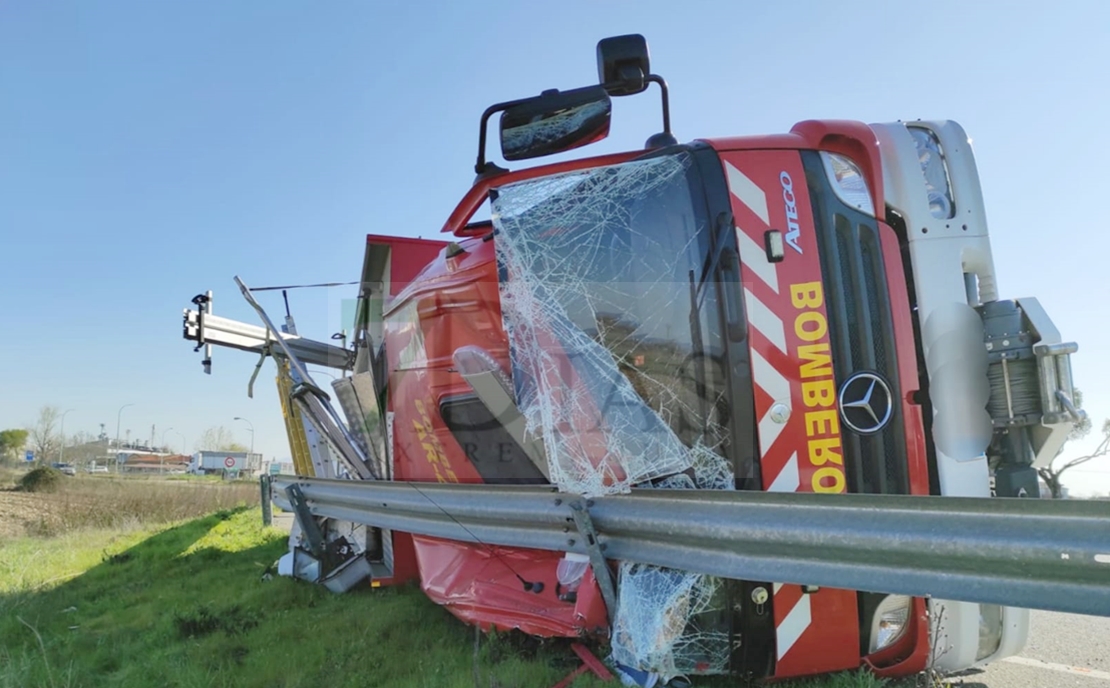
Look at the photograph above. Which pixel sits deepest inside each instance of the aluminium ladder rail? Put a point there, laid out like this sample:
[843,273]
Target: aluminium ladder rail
[207,329]
[1037,554]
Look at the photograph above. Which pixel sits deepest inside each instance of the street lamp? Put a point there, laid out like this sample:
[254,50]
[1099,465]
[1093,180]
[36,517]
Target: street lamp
[62,453]
[118,414]
[162,460]
[252,432]
[183,442]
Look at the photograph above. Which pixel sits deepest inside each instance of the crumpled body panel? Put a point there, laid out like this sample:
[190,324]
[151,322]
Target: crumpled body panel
[486,586]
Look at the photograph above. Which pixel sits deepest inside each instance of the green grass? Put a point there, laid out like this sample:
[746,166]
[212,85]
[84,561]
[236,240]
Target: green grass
[189,605]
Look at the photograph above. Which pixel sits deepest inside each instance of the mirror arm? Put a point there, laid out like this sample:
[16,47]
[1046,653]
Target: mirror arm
[655,78]
[650,78]
[480,166]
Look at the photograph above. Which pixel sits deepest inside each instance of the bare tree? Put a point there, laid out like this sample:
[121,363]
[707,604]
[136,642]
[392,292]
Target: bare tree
[79,438]
[42,436]
[218,438]
[1051,473]
[82,447]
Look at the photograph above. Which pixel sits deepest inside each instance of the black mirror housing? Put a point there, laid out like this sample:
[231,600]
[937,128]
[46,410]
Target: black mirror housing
[623,64]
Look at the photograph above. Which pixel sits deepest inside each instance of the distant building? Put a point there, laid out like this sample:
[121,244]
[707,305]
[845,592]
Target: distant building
[136,462]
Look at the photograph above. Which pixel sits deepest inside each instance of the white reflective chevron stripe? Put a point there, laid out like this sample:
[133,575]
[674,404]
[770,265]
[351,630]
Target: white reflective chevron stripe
[754,258]
[775,385]
[787,480]
[748,192]
[762,318]
[793,625]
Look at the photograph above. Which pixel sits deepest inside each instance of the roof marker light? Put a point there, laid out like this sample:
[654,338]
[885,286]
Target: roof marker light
[774,245]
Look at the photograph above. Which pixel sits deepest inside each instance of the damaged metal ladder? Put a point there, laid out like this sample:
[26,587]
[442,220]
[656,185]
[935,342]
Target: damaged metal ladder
[316,431]
[294,424]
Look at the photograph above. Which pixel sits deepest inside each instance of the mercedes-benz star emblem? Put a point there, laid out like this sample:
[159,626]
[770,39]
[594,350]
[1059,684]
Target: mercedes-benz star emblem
[866,403]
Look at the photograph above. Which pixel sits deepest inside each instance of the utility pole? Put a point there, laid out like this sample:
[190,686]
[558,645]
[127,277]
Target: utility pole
[252,440]
[162,463]
[118,414]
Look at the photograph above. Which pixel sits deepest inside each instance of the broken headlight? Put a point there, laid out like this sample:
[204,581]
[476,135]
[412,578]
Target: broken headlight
[990,631]
[889,622]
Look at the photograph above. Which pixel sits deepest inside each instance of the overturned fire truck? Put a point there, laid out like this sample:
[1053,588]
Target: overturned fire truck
[814,311]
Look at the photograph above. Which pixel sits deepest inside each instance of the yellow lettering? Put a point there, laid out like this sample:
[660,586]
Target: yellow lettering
[433,450]
[810,334]
[816,361]
[820,393]
[822,423]
[825,451]
[835,474]
[439,476]
[808,295]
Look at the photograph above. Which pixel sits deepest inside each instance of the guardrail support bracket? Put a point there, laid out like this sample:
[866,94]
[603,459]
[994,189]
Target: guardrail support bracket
[602,574]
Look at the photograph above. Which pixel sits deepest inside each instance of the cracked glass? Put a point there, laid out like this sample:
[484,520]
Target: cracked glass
[617,352]
[614,337]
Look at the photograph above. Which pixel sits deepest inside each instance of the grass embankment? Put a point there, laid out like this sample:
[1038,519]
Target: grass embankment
[191,604]
[188,606]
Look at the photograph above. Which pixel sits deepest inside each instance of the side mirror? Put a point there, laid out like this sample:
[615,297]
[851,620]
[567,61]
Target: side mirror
[554,122]
[623,64]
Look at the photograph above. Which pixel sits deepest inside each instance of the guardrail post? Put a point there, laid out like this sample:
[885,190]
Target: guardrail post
[602,575]
[267,507]
[309,526]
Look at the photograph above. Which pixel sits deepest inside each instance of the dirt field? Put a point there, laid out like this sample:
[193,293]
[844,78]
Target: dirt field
[20,511]
[112,502]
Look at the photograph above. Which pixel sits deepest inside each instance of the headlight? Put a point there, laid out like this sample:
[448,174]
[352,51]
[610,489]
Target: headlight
[848,182]
[935,170]
[889,622]
[990,630]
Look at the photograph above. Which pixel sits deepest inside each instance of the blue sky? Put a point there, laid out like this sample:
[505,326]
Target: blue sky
[151,151]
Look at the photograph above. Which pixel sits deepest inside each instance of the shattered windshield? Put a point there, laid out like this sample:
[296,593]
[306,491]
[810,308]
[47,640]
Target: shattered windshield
[615,341]
[618,364]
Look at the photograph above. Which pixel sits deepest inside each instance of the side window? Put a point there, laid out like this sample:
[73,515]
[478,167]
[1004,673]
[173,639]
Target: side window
[487,445]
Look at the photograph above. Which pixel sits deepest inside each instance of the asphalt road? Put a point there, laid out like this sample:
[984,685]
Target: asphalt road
[1064,650]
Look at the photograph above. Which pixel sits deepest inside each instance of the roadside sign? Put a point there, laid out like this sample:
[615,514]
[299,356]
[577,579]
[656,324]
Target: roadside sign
[230,462]
[30,456]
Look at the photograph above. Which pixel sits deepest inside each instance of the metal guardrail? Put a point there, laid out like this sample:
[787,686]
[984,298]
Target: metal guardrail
[1037,554]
